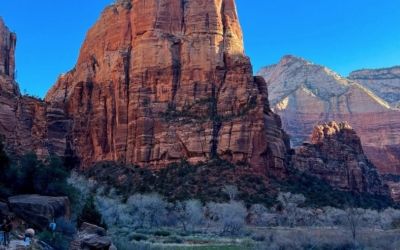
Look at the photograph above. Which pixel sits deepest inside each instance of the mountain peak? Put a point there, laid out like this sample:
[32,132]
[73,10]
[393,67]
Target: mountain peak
[306,94]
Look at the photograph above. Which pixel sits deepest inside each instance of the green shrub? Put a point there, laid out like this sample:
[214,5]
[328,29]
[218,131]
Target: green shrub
[145,231]
[137,237]
[259,236]
[90,214]
[173,239]
[56,240]
[162,233]
[65,227]
[320,194]
[4,163]
[184,234]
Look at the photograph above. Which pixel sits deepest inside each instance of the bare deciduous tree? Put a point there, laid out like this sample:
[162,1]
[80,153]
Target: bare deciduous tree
[257,211]
[354,220]
[231,190]
[332,217]
[290,203]
[110,206]
[229,217]
[85,187]
[147,209]
[190,213]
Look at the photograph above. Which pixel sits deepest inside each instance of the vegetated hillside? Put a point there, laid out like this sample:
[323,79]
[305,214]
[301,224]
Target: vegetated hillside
[205,181]
[305,95]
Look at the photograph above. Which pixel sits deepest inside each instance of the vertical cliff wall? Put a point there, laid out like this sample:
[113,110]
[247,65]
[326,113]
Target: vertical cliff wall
[28,124]
[161,80]
[7,50]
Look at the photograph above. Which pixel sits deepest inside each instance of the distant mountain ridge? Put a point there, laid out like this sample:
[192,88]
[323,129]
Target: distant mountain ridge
[384,82]
[305,95]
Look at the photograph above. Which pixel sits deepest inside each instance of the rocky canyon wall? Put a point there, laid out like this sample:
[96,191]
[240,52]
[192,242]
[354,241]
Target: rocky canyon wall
[305,95]
[27,124]
[335,155]
[159,81]
[7,50]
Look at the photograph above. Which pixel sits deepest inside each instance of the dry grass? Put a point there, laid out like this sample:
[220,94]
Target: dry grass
[277,238]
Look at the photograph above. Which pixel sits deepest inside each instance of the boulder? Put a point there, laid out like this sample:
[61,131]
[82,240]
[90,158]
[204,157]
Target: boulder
[92,229]
[39,211]
[96,242]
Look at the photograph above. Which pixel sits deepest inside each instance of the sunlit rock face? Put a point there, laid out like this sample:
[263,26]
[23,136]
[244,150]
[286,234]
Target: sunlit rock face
[385,83]
[26,123]
[335,155]
[158,81]
[305,95]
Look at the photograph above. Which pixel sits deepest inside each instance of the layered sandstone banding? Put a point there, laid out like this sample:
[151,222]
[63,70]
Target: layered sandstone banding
[335,155]
[385,83]
[305,95]
[27,123]
[159,81]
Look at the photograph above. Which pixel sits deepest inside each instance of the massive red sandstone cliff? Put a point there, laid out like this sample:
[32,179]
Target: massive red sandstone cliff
[335,155]
[28,124]
[305,95]
[159,81]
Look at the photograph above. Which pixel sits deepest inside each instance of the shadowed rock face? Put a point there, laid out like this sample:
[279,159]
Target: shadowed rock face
[158,81]
[305,95]
[28,124]
[40,210]
[336,155]
[7,50]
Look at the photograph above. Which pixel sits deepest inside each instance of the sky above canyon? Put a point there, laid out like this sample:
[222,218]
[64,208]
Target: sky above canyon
[342,35]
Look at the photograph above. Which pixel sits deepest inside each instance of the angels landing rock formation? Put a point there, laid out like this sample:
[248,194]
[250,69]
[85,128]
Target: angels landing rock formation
[336,156]
[28,124]
[159,81]
[305,95]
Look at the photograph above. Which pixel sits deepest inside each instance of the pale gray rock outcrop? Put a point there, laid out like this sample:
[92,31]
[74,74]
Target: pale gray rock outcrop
[385,83]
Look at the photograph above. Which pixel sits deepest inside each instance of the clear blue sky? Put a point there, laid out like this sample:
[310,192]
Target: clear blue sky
[342,35]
